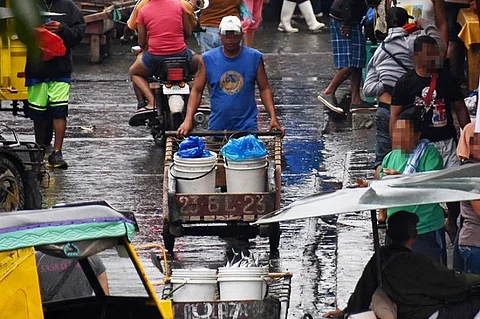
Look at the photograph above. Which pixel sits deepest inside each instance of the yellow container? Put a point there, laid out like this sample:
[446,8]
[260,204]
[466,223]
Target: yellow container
[19,285]
[13,56]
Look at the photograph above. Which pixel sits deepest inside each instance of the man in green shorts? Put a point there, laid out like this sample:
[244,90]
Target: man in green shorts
[48,81]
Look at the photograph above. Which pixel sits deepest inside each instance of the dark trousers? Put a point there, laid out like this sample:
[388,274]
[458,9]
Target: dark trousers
[466,309]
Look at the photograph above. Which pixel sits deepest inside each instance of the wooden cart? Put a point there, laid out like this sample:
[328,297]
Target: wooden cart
[222,213]
[100,28]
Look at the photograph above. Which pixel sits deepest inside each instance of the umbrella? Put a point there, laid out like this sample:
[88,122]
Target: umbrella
[448,185]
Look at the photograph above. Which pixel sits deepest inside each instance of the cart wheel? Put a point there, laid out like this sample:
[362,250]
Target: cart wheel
[274,237]
[168,239]
[12,193]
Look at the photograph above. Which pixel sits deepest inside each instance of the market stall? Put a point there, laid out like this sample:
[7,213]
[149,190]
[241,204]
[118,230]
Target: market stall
[470,35]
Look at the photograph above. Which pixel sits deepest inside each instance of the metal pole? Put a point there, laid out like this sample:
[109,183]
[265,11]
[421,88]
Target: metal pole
[376,245]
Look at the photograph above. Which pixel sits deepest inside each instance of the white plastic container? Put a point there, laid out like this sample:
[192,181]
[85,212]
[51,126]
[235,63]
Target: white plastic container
[194,284]
[195,175]
[247,176]
[242,283]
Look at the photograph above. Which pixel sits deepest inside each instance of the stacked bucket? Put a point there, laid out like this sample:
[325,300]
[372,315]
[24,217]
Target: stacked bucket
[235,284]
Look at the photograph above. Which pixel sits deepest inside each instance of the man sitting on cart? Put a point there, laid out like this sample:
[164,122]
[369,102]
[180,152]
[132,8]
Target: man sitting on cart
[419,286]
[231,71]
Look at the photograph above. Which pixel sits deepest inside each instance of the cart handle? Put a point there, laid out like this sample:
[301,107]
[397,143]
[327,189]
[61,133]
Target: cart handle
[226,133]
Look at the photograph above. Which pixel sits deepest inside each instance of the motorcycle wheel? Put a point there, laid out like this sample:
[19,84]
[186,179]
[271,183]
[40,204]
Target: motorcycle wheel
[160,139]
[12,190]
[176,120]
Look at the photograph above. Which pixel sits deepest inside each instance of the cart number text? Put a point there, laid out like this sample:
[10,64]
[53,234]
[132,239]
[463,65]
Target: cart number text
[247,204]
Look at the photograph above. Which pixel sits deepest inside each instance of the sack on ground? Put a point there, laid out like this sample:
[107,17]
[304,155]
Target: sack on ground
[243,148]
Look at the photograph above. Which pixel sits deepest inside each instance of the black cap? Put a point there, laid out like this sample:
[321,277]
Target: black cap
[398,17]
[402,225]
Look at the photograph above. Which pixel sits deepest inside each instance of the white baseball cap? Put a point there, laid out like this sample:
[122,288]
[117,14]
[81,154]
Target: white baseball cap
[230,23]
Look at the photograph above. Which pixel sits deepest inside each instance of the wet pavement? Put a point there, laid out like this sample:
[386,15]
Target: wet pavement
[111,161]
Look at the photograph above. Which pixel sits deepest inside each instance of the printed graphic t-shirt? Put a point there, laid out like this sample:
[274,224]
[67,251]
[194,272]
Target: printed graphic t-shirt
[411,90]
[232,82]
[431,216]
[51,269]
[424,9]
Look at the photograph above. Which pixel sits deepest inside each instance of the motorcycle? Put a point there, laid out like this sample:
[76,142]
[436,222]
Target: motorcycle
[171,92]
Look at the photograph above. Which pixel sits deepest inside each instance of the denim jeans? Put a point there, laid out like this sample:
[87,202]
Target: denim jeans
[471,256]
[382,135]
[209,39]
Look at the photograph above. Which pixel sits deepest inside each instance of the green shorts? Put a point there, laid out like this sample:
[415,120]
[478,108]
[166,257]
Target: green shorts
[48,99]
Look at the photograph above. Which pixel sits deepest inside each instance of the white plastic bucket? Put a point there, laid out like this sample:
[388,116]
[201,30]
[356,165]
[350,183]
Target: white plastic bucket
[247,176]
[242,283]
[194,284]
[195,175]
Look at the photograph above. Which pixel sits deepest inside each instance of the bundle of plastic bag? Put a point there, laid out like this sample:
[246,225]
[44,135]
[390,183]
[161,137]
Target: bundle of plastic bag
[243,148]
[193,147]
[50,44]
[471,102]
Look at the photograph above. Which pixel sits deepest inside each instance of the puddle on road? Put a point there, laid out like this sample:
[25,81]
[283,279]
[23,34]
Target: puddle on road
[122,165]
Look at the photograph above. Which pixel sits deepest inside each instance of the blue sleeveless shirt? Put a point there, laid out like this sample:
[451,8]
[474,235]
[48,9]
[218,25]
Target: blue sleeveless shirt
[232,82]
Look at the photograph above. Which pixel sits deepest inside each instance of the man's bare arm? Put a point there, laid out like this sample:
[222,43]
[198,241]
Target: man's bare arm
[462,112]
[266,95]
[102,279]
[142,36]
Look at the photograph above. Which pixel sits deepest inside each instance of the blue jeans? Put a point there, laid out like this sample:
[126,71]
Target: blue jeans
[432,244]
[382,135]
[471,255]
[209,40]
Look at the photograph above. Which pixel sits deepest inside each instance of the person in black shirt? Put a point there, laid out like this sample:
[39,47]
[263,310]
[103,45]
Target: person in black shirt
[437,93]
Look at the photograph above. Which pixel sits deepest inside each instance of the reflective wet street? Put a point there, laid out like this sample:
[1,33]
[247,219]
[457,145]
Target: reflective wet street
[108,160]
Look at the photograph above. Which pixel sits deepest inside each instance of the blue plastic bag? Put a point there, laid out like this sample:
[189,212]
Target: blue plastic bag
[243,148]
[193,147]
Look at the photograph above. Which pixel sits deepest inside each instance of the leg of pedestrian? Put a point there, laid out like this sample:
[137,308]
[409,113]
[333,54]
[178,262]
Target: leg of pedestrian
[285,25]
[307,11]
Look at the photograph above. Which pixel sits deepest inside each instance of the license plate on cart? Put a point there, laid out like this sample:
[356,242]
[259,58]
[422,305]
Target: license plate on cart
[176,89]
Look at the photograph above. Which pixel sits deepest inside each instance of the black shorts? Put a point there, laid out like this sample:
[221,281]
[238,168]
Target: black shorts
[451,12]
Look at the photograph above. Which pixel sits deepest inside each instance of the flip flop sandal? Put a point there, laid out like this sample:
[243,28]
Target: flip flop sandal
[139,118]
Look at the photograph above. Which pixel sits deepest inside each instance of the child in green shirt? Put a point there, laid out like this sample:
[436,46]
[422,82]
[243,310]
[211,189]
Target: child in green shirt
[411,154]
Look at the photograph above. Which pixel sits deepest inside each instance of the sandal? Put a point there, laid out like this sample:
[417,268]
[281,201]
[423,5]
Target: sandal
[145,109]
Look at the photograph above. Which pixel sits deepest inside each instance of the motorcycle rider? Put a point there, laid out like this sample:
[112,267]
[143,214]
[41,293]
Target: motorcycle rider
[131,27]
[162,27]
[231,70]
